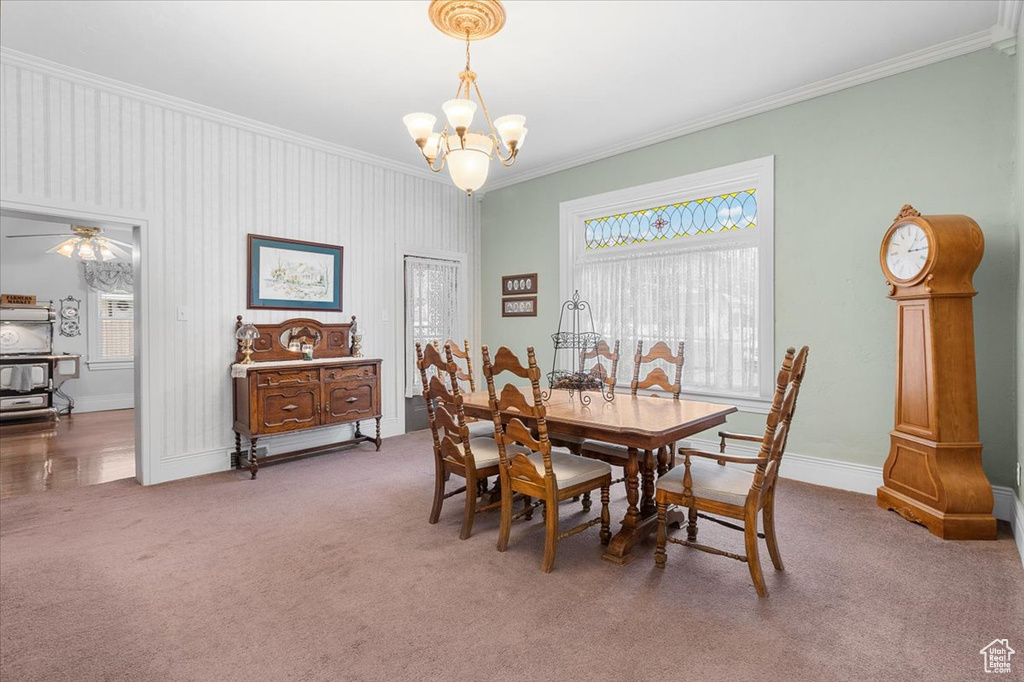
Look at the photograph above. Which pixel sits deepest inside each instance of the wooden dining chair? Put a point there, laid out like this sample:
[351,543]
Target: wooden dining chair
[653,378]
[529,465]
[463,357]
[455,450]
[710,491]
[602,363]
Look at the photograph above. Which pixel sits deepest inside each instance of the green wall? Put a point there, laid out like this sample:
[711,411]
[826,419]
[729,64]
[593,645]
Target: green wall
[940,138]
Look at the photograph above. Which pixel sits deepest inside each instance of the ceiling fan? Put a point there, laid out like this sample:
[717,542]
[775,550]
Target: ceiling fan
[87,243]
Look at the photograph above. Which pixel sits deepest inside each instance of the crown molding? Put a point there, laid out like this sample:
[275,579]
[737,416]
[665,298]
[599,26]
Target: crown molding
[1004,33]
[184,106]
[930,55]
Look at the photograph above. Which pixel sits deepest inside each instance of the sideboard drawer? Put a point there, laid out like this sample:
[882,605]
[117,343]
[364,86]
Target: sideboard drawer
[287,377]
[350,400]
[344,373]
[287,408]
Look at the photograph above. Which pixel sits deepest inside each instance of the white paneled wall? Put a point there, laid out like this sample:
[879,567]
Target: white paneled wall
[203,180]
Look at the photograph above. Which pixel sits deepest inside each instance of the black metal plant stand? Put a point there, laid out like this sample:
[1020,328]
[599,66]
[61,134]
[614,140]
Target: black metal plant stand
[571,344]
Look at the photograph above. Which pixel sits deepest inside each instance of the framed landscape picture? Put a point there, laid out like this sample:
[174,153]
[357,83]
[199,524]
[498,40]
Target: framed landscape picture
[287,274]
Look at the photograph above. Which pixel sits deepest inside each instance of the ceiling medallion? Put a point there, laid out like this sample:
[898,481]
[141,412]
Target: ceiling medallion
[477,18]
[467,154]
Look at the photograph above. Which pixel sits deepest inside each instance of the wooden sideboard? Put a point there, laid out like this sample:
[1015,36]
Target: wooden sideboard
[278,393]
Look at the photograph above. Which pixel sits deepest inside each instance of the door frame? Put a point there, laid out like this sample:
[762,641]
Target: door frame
[399,327]
[15,206]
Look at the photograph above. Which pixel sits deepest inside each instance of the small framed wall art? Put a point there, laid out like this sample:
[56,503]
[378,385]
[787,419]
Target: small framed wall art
[287,274]
[518,285]
[519,306]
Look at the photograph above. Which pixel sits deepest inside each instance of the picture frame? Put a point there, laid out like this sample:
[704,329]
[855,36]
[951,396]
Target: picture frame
[289,274]
[519,306]
[518,285]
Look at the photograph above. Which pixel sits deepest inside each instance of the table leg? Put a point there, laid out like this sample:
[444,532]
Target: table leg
[647,507]
[618,548]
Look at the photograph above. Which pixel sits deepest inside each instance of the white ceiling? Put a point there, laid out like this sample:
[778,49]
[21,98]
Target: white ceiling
[587,75]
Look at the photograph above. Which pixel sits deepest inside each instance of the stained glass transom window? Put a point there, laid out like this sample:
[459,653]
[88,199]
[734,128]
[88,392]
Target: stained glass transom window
[694,218]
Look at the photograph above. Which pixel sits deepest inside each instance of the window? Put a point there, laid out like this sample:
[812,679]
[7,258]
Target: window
[112,331]
[433,308]
[688,259]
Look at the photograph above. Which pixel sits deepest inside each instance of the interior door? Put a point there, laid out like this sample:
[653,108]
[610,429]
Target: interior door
[434,311]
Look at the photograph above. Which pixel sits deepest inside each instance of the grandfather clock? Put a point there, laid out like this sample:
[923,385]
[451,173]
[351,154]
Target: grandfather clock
[933,474]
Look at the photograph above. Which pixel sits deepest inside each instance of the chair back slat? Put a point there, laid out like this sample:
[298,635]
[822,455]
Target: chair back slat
[515,432]
[607,374]
[657,377]
[464,359]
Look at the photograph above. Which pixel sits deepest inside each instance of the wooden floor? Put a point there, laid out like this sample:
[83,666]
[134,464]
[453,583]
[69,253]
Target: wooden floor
[83,449]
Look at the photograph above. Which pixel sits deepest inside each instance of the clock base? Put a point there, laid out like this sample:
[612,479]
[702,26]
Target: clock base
[939,485]
[944,525]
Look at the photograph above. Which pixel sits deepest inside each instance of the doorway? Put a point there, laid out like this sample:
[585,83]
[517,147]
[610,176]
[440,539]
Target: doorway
[435,310]
[67,361]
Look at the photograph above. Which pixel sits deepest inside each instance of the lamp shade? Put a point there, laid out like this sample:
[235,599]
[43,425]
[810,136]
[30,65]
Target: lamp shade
[468,168]
[511,129]
[419,125]
[433,146]
[85,250]
[66,248]
[459,112]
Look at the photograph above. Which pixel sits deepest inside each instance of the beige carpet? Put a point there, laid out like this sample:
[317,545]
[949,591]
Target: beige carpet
[326,569]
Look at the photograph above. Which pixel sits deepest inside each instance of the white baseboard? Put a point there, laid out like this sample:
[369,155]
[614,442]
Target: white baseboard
[858,478]
[1018,526]
[101,403]
[211,461]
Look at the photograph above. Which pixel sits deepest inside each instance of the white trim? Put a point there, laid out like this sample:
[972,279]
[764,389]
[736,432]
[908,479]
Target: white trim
[147,468]
[116,87]
[858,478]
[930,55]
[102,403]
[756,174]
[219,460]
[1004,33]
[1018,526]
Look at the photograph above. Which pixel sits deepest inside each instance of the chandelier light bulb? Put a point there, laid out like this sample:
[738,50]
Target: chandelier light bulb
[459,112]
[511,129]
[419,125]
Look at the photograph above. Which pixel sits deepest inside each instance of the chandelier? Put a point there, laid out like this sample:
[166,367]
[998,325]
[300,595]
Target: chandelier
[467,154]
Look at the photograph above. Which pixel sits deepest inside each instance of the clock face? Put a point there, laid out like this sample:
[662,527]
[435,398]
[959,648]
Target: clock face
[906,253]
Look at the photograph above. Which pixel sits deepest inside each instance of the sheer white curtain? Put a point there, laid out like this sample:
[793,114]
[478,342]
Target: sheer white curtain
[432,309]
[706,297]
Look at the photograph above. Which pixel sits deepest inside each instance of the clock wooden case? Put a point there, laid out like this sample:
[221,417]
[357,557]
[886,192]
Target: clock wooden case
[933,473]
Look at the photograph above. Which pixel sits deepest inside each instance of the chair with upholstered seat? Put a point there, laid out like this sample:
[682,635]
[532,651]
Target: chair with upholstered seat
[456,451]
[463,357]
[551,475]
[709,490]
[653,378]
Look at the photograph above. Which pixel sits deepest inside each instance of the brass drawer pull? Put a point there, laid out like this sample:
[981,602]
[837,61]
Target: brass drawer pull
[351,400]
[289,408]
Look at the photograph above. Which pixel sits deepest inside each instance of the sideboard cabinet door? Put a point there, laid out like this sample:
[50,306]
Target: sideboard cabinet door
[286,408]
[350,400]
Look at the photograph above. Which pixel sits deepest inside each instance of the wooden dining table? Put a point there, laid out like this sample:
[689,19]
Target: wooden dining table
[643,424]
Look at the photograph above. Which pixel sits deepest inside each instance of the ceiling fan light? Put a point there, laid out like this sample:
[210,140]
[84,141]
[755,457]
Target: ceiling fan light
[511,129]
[85,250]
[105,253]
[66,248]
[459,112]
[468,168]
[419,125]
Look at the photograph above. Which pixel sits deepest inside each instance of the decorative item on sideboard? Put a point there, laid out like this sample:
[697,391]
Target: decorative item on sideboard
[246,334]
